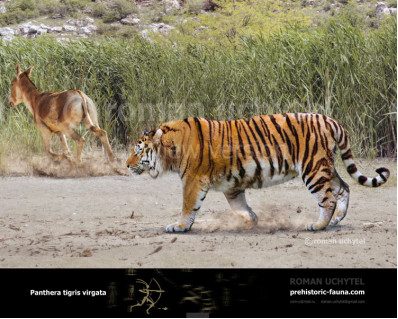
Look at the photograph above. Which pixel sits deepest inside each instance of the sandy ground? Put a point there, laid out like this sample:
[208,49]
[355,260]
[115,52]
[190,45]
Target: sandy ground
[118,221]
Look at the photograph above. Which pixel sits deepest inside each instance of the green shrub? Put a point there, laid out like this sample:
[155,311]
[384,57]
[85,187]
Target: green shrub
[118,9]
[98,10]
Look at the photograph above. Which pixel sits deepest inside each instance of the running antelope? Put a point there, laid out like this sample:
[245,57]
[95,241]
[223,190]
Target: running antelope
[58,113]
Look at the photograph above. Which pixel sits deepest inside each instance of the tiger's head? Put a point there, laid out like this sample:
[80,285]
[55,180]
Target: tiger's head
[144,156]
[156,151]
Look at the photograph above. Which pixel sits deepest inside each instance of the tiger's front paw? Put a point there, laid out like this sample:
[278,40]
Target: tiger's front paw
[310,227]
[177,228]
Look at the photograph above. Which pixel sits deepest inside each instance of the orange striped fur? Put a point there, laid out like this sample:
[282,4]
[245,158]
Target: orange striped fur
[257,152]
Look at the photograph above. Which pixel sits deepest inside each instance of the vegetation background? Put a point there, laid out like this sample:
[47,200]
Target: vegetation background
[244,58]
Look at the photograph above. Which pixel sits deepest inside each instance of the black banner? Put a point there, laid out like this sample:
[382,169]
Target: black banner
[199,293]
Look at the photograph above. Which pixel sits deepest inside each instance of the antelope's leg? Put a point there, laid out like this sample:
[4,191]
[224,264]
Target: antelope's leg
[103,136]
[65,148]
[46,135]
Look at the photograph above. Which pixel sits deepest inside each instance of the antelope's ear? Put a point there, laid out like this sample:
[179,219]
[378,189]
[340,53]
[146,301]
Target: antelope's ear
[18,69]
[27,71]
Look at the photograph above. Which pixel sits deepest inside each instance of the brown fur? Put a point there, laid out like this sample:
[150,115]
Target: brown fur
[58,113]
[252,153]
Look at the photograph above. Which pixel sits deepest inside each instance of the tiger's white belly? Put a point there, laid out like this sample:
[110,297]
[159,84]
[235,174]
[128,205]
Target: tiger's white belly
[249,181]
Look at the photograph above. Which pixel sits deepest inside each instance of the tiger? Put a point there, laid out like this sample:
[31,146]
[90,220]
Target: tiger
[256,152]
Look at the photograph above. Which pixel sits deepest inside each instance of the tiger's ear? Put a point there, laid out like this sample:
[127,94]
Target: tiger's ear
[163,138]
[157,136]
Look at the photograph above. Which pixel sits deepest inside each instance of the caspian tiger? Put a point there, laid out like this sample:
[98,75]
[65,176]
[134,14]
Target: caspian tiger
[260,151]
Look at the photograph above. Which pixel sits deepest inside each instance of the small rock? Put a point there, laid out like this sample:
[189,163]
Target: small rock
[78,23]
[90,20]
[6,32]
[57,16]
[43,26]
[61,39]
[85,30]
[33,29]
[380,8]
[41,31]
[2,8]
[69,28]
[130,21]
[55,29]
[86,253]
[172,4]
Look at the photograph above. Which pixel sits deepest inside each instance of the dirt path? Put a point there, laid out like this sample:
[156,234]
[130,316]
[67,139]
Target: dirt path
[89,222]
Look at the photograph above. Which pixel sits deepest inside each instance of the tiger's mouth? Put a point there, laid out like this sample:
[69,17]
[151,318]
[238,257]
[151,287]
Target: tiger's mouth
[137,170]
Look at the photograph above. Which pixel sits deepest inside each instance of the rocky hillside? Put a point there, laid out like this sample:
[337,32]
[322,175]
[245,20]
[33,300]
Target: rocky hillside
[180,20]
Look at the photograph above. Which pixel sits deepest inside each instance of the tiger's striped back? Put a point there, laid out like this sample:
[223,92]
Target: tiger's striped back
[270,146]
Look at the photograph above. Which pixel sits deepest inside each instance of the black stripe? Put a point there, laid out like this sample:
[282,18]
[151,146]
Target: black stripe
[210,129]
[319,130]
[336,130]
[200,141]
[265,128]
[382,170]
[257,173]
[278,153]
[307,169]
[222,140]
[351,169]
[294,133]
[344,146]
[307,146]
[347,155]
[277,126]
[317,189]
[242,171]
[230,140]
[186,167]
[259,132]
[322,180]
[302,124]
[317,166]
[289,144]
[241,146]
[362,179]
[253,135]
[187,121]
[374,182]
[286,167]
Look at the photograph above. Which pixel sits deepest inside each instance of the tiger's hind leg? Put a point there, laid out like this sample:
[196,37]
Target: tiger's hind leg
[237,201]
[341,192]
[320,186]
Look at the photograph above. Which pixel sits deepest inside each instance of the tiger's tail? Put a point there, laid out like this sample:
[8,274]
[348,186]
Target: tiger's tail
[343,142]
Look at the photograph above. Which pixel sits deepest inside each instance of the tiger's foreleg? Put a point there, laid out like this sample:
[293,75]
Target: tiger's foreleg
[194,193]
[237,201]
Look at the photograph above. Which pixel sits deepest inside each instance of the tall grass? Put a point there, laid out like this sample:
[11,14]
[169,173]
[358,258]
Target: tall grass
[338,70]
